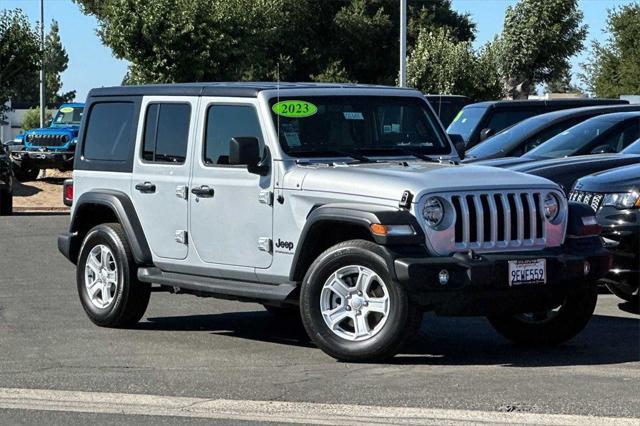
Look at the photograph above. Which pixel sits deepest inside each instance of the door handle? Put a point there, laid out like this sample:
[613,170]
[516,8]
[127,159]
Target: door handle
[146,188]
[203,192]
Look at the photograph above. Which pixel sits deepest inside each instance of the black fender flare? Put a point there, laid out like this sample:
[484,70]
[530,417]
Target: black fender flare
[360,215]
[121,206]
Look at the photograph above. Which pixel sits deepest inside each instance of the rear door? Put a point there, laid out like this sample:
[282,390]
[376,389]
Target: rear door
[161,173]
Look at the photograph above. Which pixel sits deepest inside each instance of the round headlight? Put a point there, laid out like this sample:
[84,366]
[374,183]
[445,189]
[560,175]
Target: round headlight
[551,206]
[433,212]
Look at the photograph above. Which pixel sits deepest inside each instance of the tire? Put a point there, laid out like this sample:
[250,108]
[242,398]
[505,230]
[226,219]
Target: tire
[26,175]
[557,327]
[623,293]
[378,336]
[125,299]
[6,203]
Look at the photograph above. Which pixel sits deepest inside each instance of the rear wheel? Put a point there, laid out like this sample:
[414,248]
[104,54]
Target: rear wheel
[25,174]
[550,327]
[6,203]
[108,287]
[352,308]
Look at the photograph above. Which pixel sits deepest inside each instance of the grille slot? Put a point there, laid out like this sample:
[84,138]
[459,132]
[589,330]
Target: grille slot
[498,220]
[592,199]
[47,140]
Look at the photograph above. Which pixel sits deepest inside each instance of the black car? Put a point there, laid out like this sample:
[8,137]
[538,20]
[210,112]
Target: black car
[479,121]
[6,183]
[447,106]
[615,196]
[527,135]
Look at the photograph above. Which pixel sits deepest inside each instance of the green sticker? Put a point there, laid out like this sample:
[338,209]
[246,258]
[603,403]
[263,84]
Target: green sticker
[295,109]
[66,109]
[457,116]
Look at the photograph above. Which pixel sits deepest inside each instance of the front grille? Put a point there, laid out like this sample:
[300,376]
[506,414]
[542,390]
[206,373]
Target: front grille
[592,199]
[491,220]
[47,140]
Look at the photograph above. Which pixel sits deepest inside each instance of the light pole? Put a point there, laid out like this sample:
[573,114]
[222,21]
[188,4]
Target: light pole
[403,43]
[42,94]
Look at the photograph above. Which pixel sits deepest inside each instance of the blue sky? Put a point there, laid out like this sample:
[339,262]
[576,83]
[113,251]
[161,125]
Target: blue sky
[92,65]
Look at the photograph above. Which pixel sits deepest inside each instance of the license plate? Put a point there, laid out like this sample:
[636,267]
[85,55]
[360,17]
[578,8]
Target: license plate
[527,272]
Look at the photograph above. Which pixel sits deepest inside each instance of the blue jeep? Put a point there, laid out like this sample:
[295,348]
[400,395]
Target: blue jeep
[49,148]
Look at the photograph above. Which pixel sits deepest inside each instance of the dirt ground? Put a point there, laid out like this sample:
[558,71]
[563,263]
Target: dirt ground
[42,194]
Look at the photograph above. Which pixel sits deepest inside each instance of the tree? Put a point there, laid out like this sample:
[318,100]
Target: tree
[56,62]
[213,40]
[441,64]
[563,84]
[538,39]
[19,54]
[613,68]
[31,118]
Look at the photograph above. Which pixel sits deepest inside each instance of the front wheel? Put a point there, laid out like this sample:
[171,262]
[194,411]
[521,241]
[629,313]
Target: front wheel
[550,327]
[108,287]
[352,308]
[24,174]
[6,203]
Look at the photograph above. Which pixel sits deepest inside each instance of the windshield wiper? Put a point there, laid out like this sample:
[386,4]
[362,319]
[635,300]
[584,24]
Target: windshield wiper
[402,150]
[331,152]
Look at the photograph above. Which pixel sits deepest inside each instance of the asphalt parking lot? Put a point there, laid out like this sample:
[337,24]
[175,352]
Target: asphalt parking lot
[212,349]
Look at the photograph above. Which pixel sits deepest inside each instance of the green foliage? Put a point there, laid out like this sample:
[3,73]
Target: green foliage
[216,40]
[562,84]
[538,39]
[18,53]
[56,62]
[614,67]
[31,118]
[441,64]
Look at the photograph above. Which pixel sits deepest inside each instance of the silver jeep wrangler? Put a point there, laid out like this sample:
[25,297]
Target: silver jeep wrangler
[343,203]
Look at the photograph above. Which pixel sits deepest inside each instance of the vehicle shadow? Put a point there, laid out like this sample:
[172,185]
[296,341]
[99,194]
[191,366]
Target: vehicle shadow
[441,341]
[21,189]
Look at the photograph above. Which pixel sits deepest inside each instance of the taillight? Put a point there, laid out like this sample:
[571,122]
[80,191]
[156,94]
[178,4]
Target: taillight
[67,192]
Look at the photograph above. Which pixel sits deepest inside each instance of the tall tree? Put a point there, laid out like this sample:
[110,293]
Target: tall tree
[354,40]
[614,67]
[538,39]
[441,64]
[562,84]
[19,54]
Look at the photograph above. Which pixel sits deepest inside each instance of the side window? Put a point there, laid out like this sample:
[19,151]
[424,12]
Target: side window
[166,133]
[621,137]
[225,122]
[108,135]
[503,119]
[547,134]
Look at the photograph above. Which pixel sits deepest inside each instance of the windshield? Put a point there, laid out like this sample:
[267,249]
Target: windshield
[69,115]
[344,125]
[574,139]
[466,121]
[634,148]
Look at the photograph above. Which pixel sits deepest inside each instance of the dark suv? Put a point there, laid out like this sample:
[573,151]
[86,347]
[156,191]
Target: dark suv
[479,121]
[6,181]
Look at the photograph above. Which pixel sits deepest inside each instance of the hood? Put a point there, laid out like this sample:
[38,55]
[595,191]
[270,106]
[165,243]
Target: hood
[563,162]
[620,179]
[390,179]
[506,162]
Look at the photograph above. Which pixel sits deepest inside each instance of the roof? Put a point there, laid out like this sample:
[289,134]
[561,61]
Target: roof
[72,104]
[549,118]
[544,102]
[237,89]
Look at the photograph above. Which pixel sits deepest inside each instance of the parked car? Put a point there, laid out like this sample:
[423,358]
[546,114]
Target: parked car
[565,171]
[49,148]
[482,120]
[6,183]
[344,202]
[447,106]
[527,135]
[615,196]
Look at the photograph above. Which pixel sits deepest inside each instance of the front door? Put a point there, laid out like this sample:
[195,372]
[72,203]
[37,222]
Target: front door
[161,173]
[231,213]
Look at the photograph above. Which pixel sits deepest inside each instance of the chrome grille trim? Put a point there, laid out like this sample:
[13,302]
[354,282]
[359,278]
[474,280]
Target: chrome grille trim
[592,199]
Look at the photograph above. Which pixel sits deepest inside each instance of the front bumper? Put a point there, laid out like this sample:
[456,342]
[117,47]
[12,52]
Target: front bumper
[44,159]
[479,285]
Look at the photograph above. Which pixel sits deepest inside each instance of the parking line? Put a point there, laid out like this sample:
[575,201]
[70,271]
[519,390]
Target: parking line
[274,411]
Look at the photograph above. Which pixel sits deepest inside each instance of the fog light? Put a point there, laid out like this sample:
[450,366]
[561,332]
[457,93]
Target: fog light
[587,268]
[443,277]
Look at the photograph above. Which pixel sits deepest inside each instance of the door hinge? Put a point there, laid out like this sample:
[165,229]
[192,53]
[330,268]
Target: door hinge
[181,237]
[182,191]
[264,244]
[266,197]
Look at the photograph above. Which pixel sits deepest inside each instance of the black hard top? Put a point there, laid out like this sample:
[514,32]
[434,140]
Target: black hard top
[237,89]
[546,102]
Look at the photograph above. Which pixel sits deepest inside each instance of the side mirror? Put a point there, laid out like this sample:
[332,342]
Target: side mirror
[603,149]
[486,134]
[245,151]
[459,144]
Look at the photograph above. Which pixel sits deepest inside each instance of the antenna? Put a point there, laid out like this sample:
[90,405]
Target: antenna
[278,96]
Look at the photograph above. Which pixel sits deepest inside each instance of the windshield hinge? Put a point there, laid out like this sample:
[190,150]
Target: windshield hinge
[266,197]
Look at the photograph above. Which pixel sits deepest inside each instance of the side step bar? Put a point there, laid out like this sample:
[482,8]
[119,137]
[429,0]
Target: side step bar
[218,287]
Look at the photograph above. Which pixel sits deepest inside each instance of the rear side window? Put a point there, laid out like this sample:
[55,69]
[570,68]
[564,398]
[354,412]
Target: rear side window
[225,122]
[108,134]
[502,119]
[166,133]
